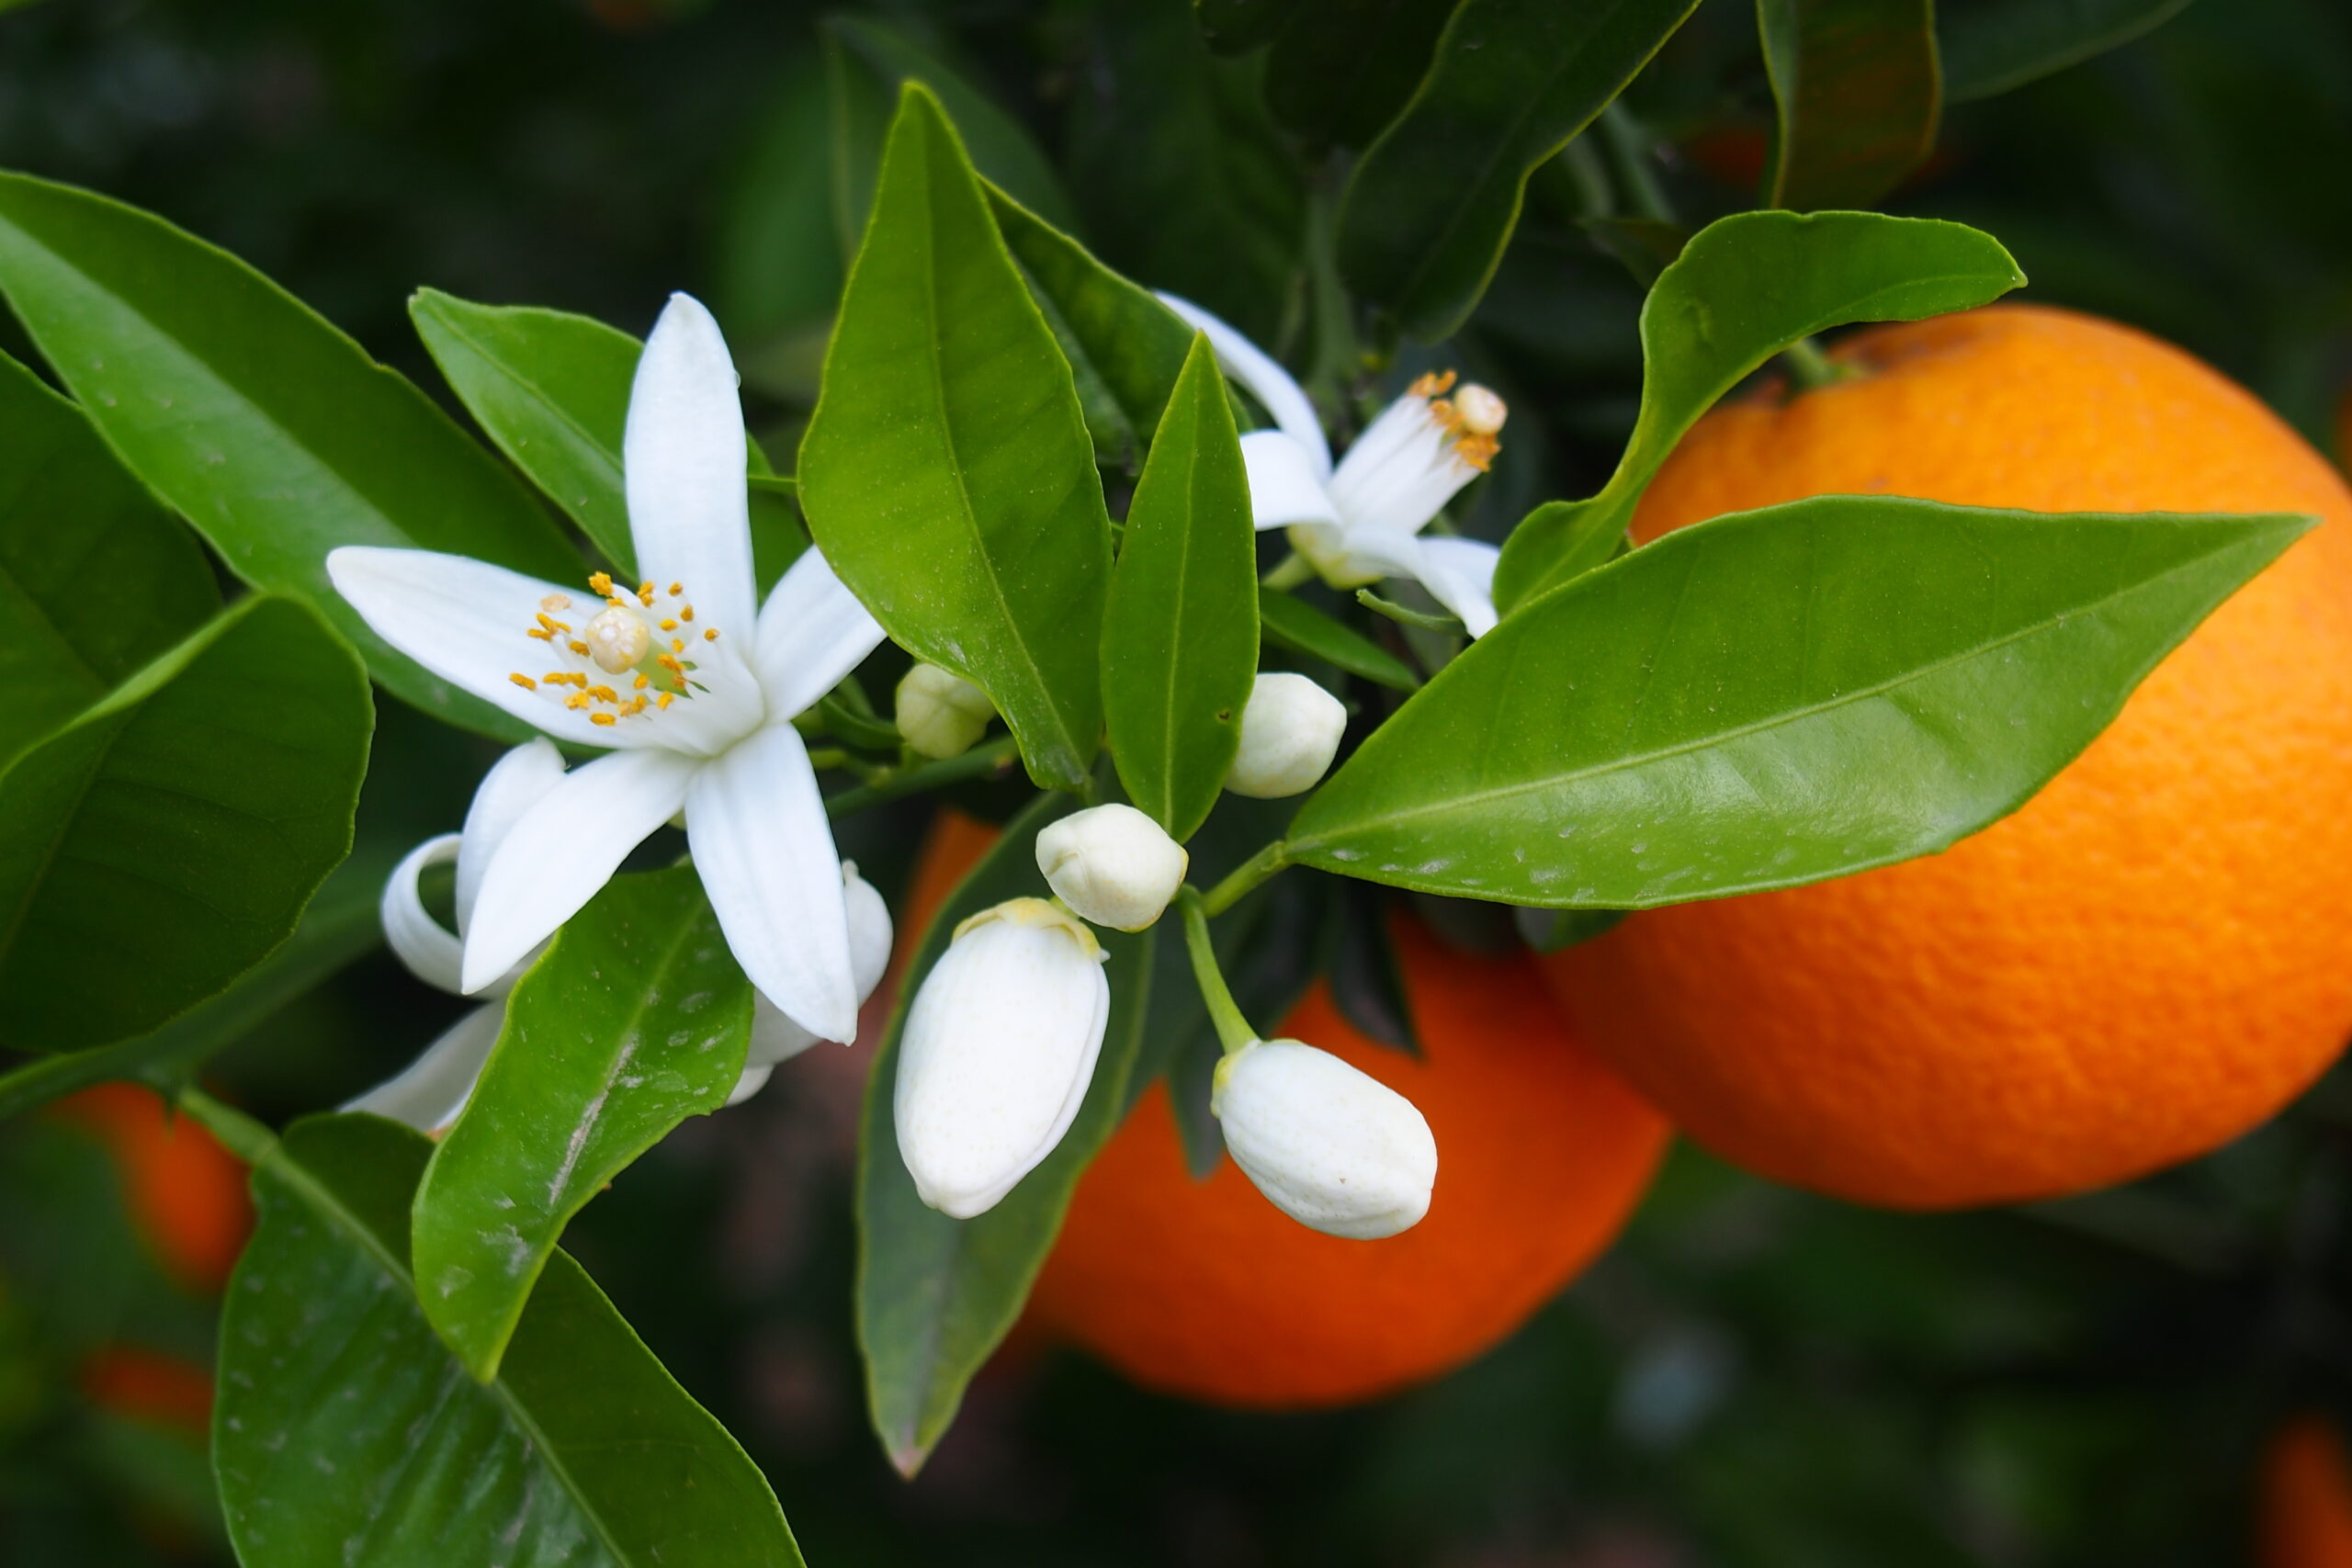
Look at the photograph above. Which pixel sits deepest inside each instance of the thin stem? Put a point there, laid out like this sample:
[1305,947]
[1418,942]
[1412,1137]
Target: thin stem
[1809,368]
[1233,1030]
[1288,573]
[895,782]
[246,1138]
[1628,148]
[1245,876]
[1404,616]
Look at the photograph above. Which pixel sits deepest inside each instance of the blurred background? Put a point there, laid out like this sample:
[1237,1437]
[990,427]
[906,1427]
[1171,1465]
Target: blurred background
[1753,1376]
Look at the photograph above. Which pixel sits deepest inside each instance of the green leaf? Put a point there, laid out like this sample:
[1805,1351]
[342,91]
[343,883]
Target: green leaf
[1236,27]
[551,389]
[635,1020]
[265,427]
[165,841]
[936,1295]
[1858,95]
[871,62]
[947,472]
[346,1433]
[96,579]
[1342,68]
[1433,203]
[341,924]
[1186,181]
[1298,625]
[1745,287]
[1124,347]
[1991,46]
[1774,698]
[1180,640]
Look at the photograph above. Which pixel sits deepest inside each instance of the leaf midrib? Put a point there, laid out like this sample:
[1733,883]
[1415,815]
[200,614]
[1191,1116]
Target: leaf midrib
[1790,715]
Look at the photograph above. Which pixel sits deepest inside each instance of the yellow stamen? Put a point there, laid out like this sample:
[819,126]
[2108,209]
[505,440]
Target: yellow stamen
[524,681]
[641,683]
[677,645]
[555,602]
[665,701]
[602,583]
[1436,384]
[600,718]
[541,633]
[603,694]
[710,634]
[676,589]
[687,613]
[645,595]
[669,625]
[579,647]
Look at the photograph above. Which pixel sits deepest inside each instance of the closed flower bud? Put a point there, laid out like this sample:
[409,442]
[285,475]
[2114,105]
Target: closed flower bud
[774,1036]
[1290,732]
[997,1053]
[1334,1148]
[1113,864]
[941,714]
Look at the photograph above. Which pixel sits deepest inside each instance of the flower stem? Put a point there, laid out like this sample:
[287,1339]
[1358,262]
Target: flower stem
[1809,368]
[246,1138]
[897,781]
[1233,1030]
[1244,877]
[1288,573]
[1406,616]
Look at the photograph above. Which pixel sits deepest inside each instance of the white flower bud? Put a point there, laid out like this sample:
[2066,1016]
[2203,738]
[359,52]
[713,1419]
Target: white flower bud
[997,1053]
[1113,864]
[941,714]
[1334,1148]
[774,1036]
[1290,732]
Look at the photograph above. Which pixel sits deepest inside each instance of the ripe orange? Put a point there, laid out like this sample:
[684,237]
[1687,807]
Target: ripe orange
[150,1386]
[185,1192]
[2151,956]
[2304,1511]
[1205,1289]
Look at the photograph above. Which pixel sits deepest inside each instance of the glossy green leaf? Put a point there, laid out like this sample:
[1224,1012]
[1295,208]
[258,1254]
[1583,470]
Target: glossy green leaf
[1774,698]
[264,426]
[936,1295]
[551,389]
[165,841]
[341,924]
[1236,27]
[1185,179]
[1298,625]
[1342,68]
[1180,640]
[948,473]
[1991,46]
[870,61]
[1433,202]
[1858,95]
[345,1432]
[1124,347]
[96,577]
[635,1020]
[1745,287]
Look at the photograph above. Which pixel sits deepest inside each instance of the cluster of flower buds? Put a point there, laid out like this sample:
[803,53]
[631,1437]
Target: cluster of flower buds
[941,714]
[1001,1041]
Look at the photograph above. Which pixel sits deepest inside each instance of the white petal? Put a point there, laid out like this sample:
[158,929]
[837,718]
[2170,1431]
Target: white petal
[870,933]
[683,456]
[1460,575]
[515,783]
[813,632]
[1401,471]
[436,1085]
[1283,486]
[1268,382]
[765,852]
[753,1080]
[774,1037]
[1331,1145]
[466,621]
[432,952]
[565,849]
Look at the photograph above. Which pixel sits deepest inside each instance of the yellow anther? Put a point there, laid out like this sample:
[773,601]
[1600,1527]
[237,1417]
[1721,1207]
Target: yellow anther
[603,694]
[676,589]
[579,647]
[576,700]
[1436,384]
[677,645]
[671,665]
[555,602]
[710,634]
[669,625]
[687,613]
[600,718]
[602,583]
[540,632]
[665,700]
[641,682]
[645,595]
[634,706]
[1478,451]
[551,624]
[524,681]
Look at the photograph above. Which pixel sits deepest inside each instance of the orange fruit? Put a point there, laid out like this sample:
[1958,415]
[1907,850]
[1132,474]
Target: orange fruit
[185,1192]
[1205,1289]
[2152,955]
[2304,1509]
[150,1386]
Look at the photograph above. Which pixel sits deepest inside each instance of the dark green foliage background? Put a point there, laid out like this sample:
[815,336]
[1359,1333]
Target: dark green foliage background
[1755,1376]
